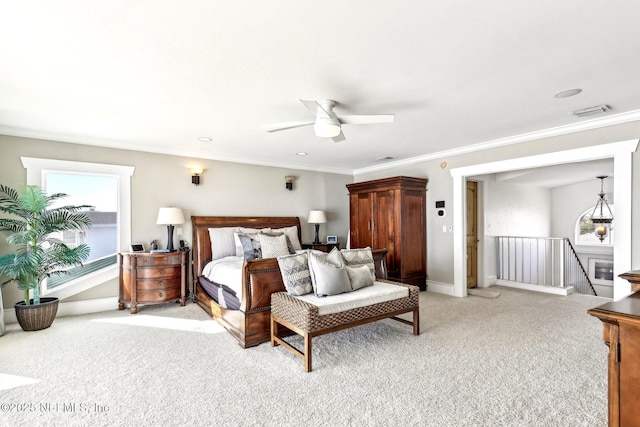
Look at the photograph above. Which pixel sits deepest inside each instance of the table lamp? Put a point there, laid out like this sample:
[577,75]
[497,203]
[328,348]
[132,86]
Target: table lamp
[170,216]
[317,218]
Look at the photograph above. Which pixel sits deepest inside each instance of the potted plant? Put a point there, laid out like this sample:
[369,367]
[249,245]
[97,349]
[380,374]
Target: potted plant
[31,228]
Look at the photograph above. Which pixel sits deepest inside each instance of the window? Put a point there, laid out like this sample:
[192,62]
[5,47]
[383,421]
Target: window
[101,192]
[585,231]
[107,189]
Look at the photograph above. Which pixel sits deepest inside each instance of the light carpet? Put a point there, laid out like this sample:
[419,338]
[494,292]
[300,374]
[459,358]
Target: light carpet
[524,359]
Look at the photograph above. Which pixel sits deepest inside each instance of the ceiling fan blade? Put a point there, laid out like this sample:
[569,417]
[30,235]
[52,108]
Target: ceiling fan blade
[339,138]
[367,119]
[292,126]
[315,108]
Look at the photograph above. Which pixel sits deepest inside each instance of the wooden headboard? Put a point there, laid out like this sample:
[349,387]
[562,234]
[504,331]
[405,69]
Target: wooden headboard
[202,224]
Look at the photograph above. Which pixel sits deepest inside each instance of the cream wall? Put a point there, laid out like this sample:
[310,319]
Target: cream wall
[164,180]
[238,189]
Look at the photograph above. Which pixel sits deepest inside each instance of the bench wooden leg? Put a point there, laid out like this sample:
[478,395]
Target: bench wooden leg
[274,332]
[416,321]
[307,352]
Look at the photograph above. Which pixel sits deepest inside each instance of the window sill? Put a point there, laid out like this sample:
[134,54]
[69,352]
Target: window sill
[84,283]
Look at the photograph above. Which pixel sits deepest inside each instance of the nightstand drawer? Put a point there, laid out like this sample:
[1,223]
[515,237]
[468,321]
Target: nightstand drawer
[158,272]
[174,258]
[157,296]
[158,284]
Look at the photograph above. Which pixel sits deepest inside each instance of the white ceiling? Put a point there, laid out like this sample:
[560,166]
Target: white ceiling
[156,75]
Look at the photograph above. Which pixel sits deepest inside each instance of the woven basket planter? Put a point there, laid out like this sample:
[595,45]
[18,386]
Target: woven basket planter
[36,317]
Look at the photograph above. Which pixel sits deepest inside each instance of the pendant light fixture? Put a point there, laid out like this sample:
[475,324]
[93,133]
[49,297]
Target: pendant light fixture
[600,217]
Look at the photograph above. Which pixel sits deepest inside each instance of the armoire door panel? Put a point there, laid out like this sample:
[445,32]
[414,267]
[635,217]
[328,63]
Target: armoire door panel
[413,239]
[383,230]
[361,220]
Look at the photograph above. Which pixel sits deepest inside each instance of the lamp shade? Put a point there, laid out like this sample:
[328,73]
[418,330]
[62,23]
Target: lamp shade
[317,217]
[170,216]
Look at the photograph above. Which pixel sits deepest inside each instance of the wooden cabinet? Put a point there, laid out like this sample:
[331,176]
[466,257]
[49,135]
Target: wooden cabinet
[147,278]
[324,247]
[621,332]
[391,213]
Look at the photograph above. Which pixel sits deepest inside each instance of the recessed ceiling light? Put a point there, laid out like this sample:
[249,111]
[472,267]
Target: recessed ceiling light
[567,93]
[301,153]
[205,139]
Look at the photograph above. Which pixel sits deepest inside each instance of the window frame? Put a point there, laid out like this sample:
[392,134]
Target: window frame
[35,168]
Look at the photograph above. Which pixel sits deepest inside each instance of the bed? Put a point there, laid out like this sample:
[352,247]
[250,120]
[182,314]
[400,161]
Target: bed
[245,313]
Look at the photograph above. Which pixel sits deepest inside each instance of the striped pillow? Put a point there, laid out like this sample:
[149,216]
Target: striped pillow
[295,273]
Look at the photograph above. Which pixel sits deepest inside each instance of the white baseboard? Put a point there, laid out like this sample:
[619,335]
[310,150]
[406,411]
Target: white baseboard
[536,288]
[441,288]
[73,308]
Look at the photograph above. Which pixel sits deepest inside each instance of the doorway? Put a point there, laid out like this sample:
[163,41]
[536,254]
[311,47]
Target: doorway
[472,234]
[621,152]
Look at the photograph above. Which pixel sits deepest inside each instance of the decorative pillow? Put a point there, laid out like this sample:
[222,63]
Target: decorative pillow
[273,246]
[222,242]
[249,231]
[358,257]
[289,245]
[250,245]
[328,278]
[359,277]
[295,273]
[292,232]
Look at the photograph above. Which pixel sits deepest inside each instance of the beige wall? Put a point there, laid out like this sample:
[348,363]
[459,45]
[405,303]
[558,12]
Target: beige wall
[164,180]
[239,189]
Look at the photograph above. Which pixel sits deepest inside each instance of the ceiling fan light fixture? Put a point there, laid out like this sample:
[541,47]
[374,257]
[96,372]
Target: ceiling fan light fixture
[326,127]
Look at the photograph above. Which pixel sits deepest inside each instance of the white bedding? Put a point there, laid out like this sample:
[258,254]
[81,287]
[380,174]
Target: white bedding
[226,271]
[378,293]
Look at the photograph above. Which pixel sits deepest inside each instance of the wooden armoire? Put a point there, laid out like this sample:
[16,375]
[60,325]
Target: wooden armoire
[391,213]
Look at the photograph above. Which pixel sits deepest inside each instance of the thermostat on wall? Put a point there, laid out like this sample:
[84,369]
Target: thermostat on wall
[440,209]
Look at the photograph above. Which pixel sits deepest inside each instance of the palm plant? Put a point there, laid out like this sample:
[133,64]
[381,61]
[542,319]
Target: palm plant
[31,225]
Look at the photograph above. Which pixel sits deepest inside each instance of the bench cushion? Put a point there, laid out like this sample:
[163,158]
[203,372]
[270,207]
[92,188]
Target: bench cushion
[378,293]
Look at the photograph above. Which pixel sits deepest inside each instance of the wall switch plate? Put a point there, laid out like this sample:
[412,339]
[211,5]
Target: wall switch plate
[179,231]
[444,228]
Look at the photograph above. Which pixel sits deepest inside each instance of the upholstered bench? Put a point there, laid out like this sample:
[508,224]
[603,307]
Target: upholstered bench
[310,316]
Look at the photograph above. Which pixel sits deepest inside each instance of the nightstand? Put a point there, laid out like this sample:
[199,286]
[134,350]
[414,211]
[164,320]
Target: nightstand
[152,278]
[324,247]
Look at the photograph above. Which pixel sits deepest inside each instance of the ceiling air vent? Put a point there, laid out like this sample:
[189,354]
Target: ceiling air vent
[385,158]
[598,109]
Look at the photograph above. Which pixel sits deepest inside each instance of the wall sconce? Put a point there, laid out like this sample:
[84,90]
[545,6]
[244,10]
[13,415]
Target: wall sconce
[195,178]
[289,179]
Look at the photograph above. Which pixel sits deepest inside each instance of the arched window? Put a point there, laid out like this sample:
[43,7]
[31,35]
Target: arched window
[585,231]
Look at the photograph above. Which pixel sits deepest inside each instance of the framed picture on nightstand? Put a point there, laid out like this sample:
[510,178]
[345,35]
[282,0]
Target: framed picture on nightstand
[332,239]
[137,247]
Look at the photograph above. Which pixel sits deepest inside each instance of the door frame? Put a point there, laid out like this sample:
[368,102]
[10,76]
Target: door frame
[622,154]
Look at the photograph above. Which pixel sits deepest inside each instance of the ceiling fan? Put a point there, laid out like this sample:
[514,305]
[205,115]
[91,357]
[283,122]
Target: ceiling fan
[328,124]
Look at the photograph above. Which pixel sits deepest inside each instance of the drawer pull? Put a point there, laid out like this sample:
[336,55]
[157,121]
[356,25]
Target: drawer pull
[161,271]
[161,284]
[161,294]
